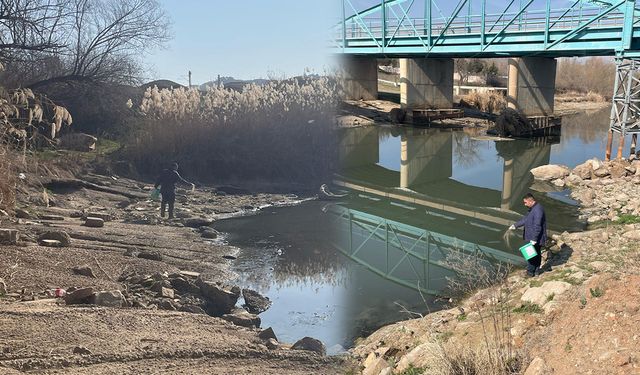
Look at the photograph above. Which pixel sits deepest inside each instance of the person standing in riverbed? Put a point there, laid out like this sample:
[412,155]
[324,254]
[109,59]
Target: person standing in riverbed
[535,231]
[167,182]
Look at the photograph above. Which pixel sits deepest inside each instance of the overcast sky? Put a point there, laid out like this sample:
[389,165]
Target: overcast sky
[244,38]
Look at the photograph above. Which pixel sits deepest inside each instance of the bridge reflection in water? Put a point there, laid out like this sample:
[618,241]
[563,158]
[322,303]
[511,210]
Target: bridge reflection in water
[402,223]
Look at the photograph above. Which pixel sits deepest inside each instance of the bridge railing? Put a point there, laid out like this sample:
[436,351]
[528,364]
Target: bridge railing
[388,24]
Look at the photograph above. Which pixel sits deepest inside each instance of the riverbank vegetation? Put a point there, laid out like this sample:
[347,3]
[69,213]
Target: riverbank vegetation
[282,131]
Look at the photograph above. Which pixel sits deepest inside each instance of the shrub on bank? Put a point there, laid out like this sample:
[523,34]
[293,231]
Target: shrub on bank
[282,131]
[7,180]
[490,101]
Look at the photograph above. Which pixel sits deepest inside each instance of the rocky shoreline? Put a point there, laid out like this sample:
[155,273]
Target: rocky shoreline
[579,316]
[97,246]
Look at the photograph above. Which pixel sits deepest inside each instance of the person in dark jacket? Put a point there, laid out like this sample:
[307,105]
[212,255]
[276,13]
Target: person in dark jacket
[167,182]
[535,231]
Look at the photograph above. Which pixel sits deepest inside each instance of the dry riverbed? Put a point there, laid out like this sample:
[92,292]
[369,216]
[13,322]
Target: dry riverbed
[143,295]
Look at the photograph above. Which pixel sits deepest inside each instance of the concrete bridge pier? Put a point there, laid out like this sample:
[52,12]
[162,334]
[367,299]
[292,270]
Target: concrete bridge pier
[426,83]
[360,77]
[532,84]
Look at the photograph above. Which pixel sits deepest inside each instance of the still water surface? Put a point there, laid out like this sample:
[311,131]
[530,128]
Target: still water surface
[339,270]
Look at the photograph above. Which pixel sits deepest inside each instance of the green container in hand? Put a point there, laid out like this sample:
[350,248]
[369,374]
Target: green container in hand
[528,251]
[155,194]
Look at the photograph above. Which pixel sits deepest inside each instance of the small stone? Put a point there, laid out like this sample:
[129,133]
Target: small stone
[81,350]
[209,233]
[272,344]
[100,215]
[166,293]
[310,344]
[23,214]
[241,317]
[84,271]
[94,222]
[537,367]
[9,236]
[51,217]
[600,265]
[112,298]
[50,243]
[151,255]
[58,235]
[3,287]
[167,304]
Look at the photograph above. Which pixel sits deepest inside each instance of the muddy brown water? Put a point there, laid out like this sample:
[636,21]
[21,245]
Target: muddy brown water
[439,181]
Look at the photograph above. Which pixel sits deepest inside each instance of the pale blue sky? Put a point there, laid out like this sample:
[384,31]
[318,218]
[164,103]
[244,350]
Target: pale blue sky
[244,38]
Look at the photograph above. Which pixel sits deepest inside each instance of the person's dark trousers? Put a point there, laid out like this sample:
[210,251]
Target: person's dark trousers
[533,268]
[167,199]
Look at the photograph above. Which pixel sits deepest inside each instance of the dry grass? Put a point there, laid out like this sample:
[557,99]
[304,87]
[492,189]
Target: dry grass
[7,180]
[457,359]
[282,132]
[490,101]
[578,97]
[496,355]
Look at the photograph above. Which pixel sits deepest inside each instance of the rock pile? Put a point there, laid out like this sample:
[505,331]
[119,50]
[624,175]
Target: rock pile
[183,292]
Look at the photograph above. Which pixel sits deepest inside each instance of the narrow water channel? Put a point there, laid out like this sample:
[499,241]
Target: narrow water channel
[339,270]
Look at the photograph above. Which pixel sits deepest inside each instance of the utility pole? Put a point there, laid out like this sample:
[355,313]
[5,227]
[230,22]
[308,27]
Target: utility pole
[189,79]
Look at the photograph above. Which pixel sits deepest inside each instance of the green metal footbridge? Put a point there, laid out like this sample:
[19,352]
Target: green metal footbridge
[472,28]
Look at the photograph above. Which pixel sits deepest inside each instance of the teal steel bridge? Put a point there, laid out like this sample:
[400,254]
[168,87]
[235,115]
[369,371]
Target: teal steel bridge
[415,28]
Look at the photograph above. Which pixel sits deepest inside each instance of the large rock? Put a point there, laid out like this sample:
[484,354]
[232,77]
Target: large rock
[550,172]
[537,367]
[618,169]
[255,302]
[267,334]
[220,299]
[420,356]
[8,236]
[241,317]
[56,235]
[197,222]
[310,344]
[112,298]
[78,296]
[78,142]
[632,235]
[376,367]
[583,170]
[540,295]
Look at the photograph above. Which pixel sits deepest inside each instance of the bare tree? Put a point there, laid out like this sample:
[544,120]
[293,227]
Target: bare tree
[30,26]
[46,41]
[110,35]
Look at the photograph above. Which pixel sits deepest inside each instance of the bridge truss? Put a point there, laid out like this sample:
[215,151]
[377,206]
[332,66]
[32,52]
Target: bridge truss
[404,254]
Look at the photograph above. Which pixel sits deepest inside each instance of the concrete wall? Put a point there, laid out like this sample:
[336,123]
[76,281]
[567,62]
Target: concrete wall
[532,83]
[360,77]
[426,83]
